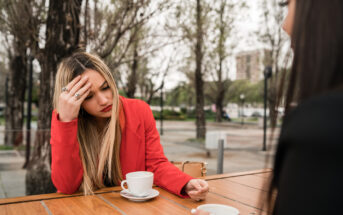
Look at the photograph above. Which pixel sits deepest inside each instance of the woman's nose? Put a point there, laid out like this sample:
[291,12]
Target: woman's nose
[102,100]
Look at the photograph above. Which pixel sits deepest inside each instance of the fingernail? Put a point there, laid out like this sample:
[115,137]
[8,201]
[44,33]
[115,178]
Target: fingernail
[193,211]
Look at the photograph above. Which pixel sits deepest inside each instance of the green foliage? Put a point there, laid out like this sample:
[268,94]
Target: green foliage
[169,115]
[183,115]
[182,95]
[253,92]
[4,147]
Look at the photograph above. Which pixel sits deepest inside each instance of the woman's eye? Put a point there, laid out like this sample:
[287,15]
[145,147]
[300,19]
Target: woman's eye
[284,3]
[88,97]
[105,88]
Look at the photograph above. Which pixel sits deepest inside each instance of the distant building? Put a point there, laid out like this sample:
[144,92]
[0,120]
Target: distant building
[250,65]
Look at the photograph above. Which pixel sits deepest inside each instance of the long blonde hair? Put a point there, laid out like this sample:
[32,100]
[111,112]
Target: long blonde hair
[99,151]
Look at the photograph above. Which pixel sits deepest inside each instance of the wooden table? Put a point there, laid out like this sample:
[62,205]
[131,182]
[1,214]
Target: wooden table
[240,190]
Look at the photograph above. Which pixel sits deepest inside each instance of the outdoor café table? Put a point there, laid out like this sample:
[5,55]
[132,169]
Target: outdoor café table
[240,190]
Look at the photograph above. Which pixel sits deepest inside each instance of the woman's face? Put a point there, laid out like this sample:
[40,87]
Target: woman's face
[99,101]
[289,20]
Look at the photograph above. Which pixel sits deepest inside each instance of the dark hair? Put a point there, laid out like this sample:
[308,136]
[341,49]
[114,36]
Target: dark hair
[318,50]
[317,41]
[79,61]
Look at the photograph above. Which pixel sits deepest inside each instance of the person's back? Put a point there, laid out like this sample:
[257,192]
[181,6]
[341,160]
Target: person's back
[309,160]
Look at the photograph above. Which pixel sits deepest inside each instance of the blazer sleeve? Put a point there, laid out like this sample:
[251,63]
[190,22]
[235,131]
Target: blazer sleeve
[166,175]
[66,167]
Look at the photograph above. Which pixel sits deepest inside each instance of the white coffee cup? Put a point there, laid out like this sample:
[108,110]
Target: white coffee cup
[139,183]
[218,209]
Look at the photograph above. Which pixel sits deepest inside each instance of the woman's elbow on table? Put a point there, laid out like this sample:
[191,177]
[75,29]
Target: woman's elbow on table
[66,185]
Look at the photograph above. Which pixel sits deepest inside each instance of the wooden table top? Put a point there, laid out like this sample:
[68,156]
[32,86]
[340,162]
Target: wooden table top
[240,190]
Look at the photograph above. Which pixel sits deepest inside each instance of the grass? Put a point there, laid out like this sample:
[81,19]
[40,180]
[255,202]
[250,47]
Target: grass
[196,140]
[3,147]
[20,148]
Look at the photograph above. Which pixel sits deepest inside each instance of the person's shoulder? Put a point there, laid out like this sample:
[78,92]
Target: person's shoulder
[327,105]
[134,104]
[317,119]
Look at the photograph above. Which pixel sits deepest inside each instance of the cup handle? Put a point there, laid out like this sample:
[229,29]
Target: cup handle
[122,185]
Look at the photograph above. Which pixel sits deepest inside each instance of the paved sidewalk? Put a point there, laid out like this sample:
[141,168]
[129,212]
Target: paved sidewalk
[244,152]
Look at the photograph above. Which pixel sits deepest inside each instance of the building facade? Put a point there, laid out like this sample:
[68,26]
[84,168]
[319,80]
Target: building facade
[250,65]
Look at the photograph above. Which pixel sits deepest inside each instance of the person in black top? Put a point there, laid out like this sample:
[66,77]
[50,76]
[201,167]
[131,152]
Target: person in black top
[308,169]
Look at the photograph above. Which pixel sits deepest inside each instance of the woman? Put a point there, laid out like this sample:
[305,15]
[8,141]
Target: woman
[97,136]
[308,168]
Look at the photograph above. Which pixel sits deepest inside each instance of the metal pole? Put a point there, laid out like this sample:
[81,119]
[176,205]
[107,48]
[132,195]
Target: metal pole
[267,74]
[243,111]
[220,161]
[161,112]
[28,121]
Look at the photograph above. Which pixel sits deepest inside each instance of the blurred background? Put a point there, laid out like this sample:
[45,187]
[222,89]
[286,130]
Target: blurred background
[208,69]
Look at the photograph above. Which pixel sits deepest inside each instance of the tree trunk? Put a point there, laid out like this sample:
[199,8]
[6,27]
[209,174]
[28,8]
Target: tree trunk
[132,80]
[219,103]
[14,112]
[200,114]
[62,33]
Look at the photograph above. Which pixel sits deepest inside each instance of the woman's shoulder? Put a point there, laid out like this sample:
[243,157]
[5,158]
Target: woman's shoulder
[317,119]
[327,105]
[132,102]
[136,106]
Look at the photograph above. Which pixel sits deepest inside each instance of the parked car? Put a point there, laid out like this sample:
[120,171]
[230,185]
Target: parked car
[256,114]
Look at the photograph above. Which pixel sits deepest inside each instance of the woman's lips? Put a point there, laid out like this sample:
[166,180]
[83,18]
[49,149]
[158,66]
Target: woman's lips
[106,109]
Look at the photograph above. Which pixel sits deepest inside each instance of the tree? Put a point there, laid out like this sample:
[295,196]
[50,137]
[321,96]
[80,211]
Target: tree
[15,41]
[192,22]
[223,25]
[199,83]
[62,38]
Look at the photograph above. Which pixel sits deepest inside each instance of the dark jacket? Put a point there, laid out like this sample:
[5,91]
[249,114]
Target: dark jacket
[309,159]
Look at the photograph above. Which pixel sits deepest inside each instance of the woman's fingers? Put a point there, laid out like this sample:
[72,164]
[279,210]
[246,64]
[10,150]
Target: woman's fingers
[199,189]
[84,91]
[204,186]
[69,103]
[200,185]
[71,84]
[197,196]
[78,85]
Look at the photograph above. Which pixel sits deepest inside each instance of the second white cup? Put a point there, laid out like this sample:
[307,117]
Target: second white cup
[219,209]
[139,183]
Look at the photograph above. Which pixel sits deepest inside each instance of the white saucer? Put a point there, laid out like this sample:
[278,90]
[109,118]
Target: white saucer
[131,197]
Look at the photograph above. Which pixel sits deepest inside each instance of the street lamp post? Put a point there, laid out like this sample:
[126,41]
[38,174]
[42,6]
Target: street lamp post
[242,97]
[267,74]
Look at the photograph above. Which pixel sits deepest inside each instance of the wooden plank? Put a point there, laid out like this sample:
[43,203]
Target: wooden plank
[158,205]
[264,175]
[251,181]
[237,174]
[52,196]
[241,193]
[260,173]
[79,205]
[210,199]
[28,208]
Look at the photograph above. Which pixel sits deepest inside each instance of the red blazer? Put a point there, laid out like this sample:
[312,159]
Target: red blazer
[140,150]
